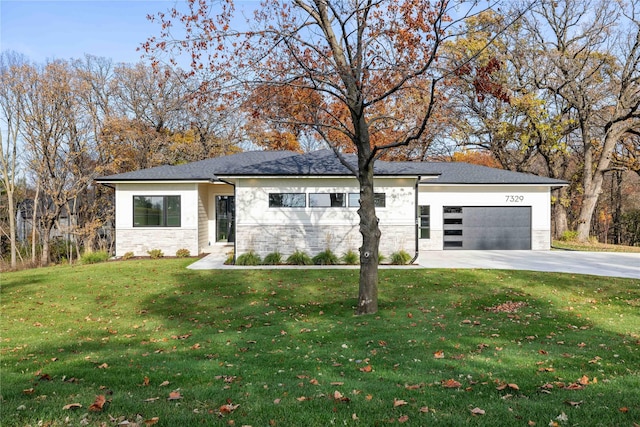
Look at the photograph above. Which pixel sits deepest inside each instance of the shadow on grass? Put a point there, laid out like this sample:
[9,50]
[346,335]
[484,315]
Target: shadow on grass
[257,337]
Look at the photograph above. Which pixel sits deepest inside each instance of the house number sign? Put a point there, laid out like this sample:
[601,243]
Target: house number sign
[514,198]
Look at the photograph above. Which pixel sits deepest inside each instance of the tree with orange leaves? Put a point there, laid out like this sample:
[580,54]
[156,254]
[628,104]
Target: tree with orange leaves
[365,74]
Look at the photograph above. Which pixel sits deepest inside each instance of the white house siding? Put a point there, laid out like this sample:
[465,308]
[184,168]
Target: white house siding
[536,197]
[139,240]
[203,218]
[264,229]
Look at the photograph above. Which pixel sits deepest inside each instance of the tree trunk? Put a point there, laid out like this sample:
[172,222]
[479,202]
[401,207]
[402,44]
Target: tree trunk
[12,228]
[559,214]
[368,292]
[592,180]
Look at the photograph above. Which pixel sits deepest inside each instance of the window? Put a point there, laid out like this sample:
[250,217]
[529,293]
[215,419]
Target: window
[287,200]
[425,222]
[327,200]
[379,200]
[156,211]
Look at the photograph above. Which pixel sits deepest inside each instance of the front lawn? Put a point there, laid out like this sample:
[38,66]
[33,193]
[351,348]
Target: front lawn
[150,343]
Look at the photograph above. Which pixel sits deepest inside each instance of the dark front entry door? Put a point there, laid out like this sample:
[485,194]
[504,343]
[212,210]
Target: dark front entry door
[225,219]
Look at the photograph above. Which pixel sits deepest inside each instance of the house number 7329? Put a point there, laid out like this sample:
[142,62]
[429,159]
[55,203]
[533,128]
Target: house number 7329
[514,198]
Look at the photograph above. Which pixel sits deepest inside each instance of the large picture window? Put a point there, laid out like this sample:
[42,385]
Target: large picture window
[156,211]
[327,200]
[287,200]
[379,200]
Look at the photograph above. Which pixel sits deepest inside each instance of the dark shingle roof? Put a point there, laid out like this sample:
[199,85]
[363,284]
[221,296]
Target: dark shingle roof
[325,163]
[198,171]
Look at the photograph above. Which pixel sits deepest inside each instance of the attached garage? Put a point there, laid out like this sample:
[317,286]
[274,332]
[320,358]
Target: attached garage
[487,227]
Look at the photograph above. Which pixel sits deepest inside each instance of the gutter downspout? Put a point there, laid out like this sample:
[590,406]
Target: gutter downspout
[235,217]
[417,248]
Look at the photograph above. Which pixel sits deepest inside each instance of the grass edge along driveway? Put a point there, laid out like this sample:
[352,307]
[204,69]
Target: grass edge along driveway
[151,343]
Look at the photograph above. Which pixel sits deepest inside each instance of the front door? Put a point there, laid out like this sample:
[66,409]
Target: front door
[225,219]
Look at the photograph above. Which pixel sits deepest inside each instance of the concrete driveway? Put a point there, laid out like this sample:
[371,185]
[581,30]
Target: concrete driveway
[611,264]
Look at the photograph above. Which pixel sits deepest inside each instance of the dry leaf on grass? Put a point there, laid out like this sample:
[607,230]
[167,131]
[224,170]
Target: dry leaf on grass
[72,406]
[98,404]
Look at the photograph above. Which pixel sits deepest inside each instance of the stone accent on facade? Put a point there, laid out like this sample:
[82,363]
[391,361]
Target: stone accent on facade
[169,240]
[286,239]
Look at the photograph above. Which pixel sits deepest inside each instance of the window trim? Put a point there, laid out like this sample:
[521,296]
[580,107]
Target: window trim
[357,205]
[343,205]
[271,205]
[164,223]
[421,228]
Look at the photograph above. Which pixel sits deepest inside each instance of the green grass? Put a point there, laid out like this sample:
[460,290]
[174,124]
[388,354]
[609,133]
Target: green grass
[280,344]
[593,246]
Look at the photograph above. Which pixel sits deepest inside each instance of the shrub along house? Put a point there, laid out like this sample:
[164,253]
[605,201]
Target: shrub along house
[284,201]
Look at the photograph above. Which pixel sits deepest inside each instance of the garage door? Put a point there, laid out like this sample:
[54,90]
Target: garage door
[487,227]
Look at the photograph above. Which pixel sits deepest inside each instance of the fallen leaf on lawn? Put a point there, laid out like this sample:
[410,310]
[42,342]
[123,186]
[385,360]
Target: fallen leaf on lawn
[574,386]
[45,377]
[398,402]
[174,395]
[584,380]
[196,346]
[151,399]
[562,417]
[228,408]
[103,366]
[477,411]
[276,401]
[424,409]
[354,417]
[145,382]
[572,403]
[72,406]
[513,386]
[98,404]
[438,354]
[413,386]
[451,383]
[336,383]
[403,418]
[302,398]
[367,368]
[531,423]
[340,397]
[624,409]
[314,381]
[29,391]
[164,383]
[151,421]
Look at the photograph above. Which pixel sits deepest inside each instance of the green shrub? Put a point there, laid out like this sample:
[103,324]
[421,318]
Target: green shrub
[381,258]
[569,236]
[299,258]
[229,260]
[351,257]
[94,257]
[326,257]
[183,253]
[274,258]
[400,258]
[155,253]
[127,255]
[249,258]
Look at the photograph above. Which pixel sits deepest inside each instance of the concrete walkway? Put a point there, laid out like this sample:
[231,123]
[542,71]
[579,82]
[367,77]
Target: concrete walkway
[612,264]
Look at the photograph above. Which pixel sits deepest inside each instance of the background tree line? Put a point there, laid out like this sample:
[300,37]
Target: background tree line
[550,88]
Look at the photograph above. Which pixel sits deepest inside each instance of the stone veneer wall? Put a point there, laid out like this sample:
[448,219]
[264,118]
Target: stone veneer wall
[286,239]
[169,240]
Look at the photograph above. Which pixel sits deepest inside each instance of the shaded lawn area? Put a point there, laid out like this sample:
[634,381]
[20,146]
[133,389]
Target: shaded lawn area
[169,346]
